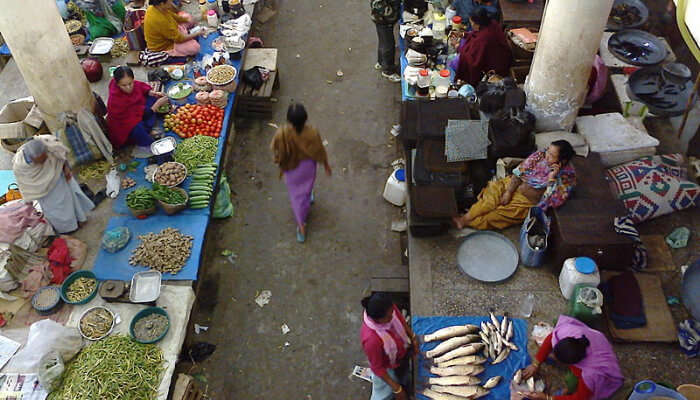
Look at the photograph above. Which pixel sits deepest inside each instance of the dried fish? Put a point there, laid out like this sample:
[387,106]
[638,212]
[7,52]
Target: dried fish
[495,322]
[462,370]
[456,380]
[449,332]
[464,360]
[509,331]
[431,394]
[471,392]
[491,383]
[504,326]
[469,349]
[448,345]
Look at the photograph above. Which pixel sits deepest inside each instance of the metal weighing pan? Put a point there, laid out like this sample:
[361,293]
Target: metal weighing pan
[487,256]
[637,47]
[634,6]
[663,97]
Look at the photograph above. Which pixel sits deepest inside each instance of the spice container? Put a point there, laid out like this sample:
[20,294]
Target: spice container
[423,83]
[442,80]
[96,323]
[149,325]
[212,19]
[212,5]
[439,25]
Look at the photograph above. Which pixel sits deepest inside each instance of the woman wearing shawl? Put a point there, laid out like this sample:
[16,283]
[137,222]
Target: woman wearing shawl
[483,49]
[590,358]
[43,175]
[545,179]
[131,109]
[297,148]
[387,341]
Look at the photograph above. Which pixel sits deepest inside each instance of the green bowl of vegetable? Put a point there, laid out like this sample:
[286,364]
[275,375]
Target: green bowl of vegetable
[149,325]
[80,287]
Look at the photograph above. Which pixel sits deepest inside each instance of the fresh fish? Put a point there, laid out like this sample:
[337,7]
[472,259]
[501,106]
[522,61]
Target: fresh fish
[456,380]
[484,327]
[518,377]
[464,360]
[491,383]
[470,392]
[502,356]
[463,370]
[431,394]
[496,342]
[484,336]
[492,327]
[448,345]
[504,326]
[469,349]
[531,384]
[509,332]
[449,332]
[496,324]
[511,346]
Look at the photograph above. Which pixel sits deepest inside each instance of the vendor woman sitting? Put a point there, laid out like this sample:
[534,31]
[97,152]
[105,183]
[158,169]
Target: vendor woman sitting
[545,179]
[589,355]
[131,109]
[42,172]
[167,31]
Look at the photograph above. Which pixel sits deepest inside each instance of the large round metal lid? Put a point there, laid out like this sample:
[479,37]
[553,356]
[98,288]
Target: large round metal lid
[487,256]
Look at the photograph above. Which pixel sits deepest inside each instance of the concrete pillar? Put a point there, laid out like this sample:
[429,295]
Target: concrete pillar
[568,41]
[44,54]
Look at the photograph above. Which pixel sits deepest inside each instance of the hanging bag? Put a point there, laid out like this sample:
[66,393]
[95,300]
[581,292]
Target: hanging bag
[534,235]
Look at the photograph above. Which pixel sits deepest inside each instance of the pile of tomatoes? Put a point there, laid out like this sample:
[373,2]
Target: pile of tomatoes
[192,119]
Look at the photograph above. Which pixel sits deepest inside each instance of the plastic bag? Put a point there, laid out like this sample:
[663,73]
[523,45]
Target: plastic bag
[592,298]
[45,336]
[223,207]
[113,183]
[51,368]
[540,332]
[115,239]
[678,238]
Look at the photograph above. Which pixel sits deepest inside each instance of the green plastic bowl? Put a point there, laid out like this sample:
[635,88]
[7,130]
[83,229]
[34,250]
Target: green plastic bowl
[71,278]
[145,313]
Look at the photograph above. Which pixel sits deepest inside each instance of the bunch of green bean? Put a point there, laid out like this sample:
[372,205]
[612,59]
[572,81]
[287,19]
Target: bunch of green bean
[168,195]
[94,170]
[113,368]
[196,151]
[140,199]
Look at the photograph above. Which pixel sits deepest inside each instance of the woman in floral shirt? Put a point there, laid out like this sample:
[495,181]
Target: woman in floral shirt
[545,179]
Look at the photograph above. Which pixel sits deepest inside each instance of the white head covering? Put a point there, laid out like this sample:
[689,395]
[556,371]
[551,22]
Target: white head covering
[33,149]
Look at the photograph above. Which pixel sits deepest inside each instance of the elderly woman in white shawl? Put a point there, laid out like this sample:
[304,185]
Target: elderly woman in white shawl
[43,174]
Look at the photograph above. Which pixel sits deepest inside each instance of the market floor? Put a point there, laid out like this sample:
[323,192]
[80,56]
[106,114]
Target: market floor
[316,286]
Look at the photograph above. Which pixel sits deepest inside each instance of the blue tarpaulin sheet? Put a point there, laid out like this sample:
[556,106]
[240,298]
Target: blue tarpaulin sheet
[116,265]
[7,177]
[506,369]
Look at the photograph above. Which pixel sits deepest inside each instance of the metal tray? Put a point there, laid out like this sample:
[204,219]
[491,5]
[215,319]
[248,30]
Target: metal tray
[145,286]
[487,256]
[163,146]
[101,46]
[639,5]
[637,47]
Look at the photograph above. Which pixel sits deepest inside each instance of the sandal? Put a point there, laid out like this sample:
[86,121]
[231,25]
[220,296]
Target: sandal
[300,238]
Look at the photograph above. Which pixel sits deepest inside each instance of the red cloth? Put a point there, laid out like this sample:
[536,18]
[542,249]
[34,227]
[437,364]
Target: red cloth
[60,260]
[484,50]
[582,391]
[374,348]
[125,110]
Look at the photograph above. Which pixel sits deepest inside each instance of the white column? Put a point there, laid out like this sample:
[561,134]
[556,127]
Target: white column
[44,54]
[568,41]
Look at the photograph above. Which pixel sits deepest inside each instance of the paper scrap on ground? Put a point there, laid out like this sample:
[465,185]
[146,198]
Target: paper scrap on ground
[285,329]
[200,328]
[399,225]
[362,373]
[263,298]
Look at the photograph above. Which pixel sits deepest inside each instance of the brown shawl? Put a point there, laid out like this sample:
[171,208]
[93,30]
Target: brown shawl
[290,147]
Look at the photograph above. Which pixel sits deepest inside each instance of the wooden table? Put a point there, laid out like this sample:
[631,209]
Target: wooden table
[521,13]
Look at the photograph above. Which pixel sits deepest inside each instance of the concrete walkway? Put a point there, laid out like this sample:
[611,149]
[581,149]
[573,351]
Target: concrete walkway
[317,286]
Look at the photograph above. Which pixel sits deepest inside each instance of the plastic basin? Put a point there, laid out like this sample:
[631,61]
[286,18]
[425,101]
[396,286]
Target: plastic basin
[72,278]
[145,313]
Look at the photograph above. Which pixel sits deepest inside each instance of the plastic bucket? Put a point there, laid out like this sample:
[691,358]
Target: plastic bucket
[395,188]
[648,390]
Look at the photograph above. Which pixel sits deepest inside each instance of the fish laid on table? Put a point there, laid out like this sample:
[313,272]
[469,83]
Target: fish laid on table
[431,394]
[504,326]
[495,322]
[463,370]
[518,377]
[455,380]
[450,332]
[465,350]
[471,392]
[484,327]
[464,360]
[491,383]
[509,331]
[531,384]
[450,344]
[502,356]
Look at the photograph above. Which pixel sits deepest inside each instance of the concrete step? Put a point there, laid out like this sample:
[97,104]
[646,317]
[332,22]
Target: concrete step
[392,285]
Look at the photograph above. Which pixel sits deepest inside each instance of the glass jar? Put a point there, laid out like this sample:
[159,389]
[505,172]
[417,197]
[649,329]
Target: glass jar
[439,26]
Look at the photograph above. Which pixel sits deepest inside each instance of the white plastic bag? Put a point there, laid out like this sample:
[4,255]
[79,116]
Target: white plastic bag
[113,183]
[45,336]
[540,332]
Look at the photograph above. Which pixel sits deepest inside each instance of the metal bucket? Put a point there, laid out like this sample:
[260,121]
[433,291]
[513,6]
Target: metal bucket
[133,28]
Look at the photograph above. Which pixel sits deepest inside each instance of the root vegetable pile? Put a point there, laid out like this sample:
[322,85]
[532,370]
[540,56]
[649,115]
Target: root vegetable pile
[96,323]
[114,368]
[166,251]
[196,151]
[170,174]
[191,120]
[80,289]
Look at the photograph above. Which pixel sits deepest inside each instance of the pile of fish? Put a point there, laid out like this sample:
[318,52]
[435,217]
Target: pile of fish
[456,361]
[518,380]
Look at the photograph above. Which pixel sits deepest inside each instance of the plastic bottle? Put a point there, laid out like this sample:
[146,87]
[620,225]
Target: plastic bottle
[212,19]
[577,270]
[213,5]
[423,82]
[439,25]
[527,306]
[203,9]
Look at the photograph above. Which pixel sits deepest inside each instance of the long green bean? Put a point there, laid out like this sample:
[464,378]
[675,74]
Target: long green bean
[196,151]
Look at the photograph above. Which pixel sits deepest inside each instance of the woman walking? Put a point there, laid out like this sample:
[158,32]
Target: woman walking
[297,148]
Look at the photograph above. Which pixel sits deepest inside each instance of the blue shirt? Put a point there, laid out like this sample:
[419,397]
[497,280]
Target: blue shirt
[465,7]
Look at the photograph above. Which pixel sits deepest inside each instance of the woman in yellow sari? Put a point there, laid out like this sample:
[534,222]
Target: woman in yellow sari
[545,179]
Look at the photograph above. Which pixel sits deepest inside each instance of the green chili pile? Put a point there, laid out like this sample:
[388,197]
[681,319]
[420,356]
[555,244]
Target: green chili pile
[196,151]
[168,195]
[116,367]
[140,199]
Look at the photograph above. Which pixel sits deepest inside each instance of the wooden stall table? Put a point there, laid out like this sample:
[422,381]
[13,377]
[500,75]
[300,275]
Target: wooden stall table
[257,103]
[515,14]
